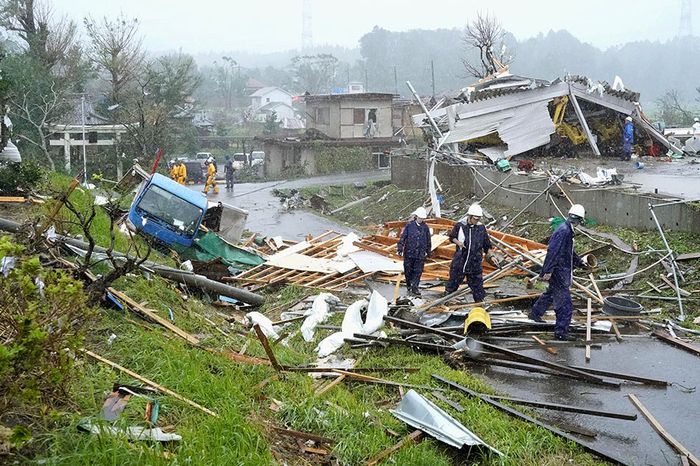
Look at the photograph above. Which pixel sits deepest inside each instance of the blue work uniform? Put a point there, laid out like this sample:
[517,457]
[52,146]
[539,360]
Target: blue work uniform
[627,139]
[414,245]
[560,262]
[228,172]
[467,260]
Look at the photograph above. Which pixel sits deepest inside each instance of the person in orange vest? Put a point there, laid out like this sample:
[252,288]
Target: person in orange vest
[180,172]
[211,176]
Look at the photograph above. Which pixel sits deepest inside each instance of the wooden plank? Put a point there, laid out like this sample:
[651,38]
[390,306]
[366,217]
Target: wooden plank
[148,382]
[595,286]
[588,331]
[266,346]
[566,408]
[673,287]
[414,436]
[149,314]
[397,288]
[618,335]
[676,342]
[662,432]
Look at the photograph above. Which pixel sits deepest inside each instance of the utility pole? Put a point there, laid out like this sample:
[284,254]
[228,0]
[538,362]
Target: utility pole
[396,82]
[82,112]
[432,72]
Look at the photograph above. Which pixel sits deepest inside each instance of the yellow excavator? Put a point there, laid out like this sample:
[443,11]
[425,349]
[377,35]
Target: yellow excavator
[571,132]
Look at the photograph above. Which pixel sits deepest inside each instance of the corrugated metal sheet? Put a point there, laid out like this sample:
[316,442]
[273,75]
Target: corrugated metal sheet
[521,128]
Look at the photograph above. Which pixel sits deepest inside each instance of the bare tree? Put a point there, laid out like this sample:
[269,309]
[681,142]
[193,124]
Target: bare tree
[48,38]
[315,73]
[120,264]
[485,34]
[37,111]
[116,48]
[672,110]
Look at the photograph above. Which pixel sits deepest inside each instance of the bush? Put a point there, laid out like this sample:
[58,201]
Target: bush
[19,178]
[331,160]
[43,314]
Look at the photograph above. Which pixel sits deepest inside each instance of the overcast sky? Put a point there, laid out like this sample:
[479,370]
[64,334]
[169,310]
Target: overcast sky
[273,25]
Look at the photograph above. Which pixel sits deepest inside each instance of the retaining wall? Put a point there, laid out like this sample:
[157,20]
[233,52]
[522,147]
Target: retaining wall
[606,206]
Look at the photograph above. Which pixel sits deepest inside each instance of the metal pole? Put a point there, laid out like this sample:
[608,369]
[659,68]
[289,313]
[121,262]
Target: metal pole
[674,266]
[680,201]
[82,111]
[532,202]
[494,189]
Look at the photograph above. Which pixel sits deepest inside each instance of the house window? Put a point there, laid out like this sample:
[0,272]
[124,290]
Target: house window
[267,99]
[323,116]
[358,116]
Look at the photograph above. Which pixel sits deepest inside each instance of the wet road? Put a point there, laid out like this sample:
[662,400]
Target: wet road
[266,215]
[634,442]
[679,178]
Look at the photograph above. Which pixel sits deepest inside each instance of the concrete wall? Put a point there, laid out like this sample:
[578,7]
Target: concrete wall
[341,123]
[607,207]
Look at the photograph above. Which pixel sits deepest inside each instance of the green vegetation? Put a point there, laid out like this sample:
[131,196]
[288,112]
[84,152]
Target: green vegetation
[342,159]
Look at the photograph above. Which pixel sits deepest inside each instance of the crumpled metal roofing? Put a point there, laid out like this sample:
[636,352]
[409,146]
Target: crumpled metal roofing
[419,412]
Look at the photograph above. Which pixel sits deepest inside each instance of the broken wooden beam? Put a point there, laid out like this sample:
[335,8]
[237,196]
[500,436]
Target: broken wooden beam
[662,432]
[414,436]
[148,382]
[266,346]
[549,349]
[676,342]
[566,408]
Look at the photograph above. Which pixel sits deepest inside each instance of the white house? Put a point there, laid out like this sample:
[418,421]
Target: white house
[268,95]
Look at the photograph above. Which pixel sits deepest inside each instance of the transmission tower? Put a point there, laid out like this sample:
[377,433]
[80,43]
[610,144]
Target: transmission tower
[686,25]
[306,35]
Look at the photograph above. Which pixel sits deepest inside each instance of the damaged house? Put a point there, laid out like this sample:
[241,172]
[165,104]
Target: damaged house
[511,115]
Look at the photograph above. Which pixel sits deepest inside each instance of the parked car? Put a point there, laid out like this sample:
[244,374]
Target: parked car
[257,157]
[240,160]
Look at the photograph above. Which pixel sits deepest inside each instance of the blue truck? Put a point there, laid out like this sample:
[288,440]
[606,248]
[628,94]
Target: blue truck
[167,211]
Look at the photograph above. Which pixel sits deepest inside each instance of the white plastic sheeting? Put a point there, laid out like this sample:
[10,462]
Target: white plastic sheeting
[264,322]
[317,314]
[377,308]
[603,176]
[521,128]
[420,413]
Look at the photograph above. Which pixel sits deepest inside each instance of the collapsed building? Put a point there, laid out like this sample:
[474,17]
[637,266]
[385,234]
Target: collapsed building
[511,115]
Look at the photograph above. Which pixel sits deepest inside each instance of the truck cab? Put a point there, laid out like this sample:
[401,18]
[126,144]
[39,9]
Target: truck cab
[167,211]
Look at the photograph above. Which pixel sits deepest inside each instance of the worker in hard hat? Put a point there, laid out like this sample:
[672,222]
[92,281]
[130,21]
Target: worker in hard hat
[211,176]
[414,246]
[557,270]
[180,172]
[696,126]
[473,242]
[627,139]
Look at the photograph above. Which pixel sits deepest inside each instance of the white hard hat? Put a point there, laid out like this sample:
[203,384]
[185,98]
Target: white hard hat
[475,210]
[577,210]
[421,212]
[629,118]
[696,119]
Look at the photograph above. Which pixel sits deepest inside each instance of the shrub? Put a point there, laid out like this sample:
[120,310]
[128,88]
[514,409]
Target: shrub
[19,178]
[43,314]
[331,160]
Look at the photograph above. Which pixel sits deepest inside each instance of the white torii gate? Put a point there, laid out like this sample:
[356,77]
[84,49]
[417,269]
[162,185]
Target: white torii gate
[73,136]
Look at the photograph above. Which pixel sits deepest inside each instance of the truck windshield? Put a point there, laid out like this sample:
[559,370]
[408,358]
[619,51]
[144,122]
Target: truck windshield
[168,208]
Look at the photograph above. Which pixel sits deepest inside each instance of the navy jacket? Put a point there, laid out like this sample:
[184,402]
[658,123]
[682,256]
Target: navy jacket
[476,244]
[561,258]
[415,241]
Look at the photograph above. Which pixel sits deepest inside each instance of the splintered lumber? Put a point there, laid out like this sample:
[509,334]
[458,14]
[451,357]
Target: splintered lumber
[595,286]
[526,418]
[148,382]
[328,386]
[662,432]
[676,342]
[150,315]
[266,346]
[674,287]
[566,408]
[414,436]
[588,331]
[370,379]
[489,302]
[407,370]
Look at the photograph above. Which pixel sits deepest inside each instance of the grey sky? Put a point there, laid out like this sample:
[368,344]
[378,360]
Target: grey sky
[275,25]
